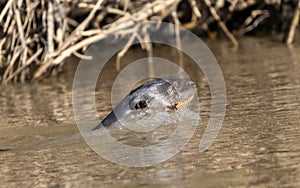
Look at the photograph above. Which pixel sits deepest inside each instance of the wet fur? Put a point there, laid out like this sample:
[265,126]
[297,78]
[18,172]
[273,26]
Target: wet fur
[159,93]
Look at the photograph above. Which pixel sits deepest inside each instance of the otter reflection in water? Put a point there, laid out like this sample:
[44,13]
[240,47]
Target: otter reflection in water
[160,93]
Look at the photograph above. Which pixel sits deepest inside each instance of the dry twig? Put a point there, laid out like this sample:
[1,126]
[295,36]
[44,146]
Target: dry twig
[37,35]
[221,23]
[294,24]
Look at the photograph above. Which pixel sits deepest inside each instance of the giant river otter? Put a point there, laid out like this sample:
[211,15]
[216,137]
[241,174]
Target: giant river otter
[162,93]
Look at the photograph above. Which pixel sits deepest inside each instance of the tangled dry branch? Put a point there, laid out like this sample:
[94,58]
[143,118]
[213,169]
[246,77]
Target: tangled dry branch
[36,36]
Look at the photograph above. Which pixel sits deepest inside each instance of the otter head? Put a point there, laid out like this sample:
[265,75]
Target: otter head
[170,93]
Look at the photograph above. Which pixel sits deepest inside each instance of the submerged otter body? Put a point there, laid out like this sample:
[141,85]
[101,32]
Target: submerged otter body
[160,93]
[165,94]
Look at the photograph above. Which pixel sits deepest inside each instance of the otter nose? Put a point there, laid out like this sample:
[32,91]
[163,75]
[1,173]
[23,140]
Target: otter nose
[192,83]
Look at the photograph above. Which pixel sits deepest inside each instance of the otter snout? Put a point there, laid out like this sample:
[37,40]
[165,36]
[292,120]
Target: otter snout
[191,83]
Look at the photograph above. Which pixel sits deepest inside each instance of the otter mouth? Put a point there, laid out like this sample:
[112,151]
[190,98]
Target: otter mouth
[183,103]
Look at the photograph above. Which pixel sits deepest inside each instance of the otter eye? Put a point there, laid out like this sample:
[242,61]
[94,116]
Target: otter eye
[141,105]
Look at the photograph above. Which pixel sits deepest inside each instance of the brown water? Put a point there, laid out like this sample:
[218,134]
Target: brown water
[257,146]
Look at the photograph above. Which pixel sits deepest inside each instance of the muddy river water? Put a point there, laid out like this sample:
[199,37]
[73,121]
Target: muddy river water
[257,146]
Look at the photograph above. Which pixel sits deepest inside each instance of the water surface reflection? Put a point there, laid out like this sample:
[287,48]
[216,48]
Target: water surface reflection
[258,144]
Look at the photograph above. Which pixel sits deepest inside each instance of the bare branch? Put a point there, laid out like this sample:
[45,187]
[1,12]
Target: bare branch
[294,24]
[221,23]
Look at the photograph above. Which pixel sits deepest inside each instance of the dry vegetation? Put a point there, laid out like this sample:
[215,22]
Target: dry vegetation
[37,36]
